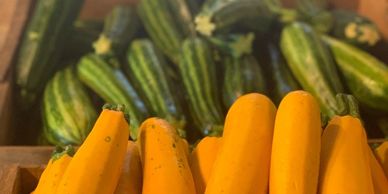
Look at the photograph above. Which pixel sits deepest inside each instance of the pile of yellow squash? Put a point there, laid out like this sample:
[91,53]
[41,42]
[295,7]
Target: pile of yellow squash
[263,150]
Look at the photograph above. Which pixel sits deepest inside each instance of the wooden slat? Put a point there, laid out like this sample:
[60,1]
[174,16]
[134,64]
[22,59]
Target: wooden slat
[13,16]
[25,156]
[10,179]
[6,134]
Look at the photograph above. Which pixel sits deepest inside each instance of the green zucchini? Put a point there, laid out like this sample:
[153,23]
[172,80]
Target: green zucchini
[312,65]
[198,72]
[315,13]
[282,79]
[42,45]
[112,86]
[68,113]
[242,75]
[168,23]
[366,76]
[82,36]
[147,68]
[235,45]
[224,16]
[120,26]
[354,29]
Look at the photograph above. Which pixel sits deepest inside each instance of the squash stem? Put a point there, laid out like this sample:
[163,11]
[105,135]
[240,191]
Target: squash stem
[347,105]
[118,107]
[60,151]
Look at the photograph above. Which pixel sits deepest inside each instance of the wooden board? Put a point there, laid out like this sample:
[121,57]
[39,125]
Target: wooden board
[13,16]
[6,134]
[21,167]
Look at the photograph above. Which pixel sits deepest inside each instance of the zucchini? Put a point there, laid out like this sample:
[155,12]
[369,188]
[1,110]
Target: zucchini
[311,63]
[83,34]
[168,23]
[68,113]
[366,76]
[235,45]
[314,13]
[112,86]
[42,45]
[281,76]
[242,75]
[354,28]
[148,67]
[120,26]
[198,72]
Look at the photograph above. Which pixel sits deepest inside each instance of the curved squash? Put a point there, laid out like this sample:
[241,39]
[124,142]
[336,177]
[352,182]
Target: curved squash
[131,177]
[242,163]
[201,161]
[165,166]
[381,153]
[380,181]
[296,145]
[54,170]
[344,160]
[186,147]
[100,158]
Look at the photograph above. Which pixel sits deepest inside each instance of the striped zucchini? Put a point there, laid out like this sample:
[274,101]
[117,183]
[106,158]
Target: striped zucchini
[68,114]
[221,16]
[354,28]
[242,75]
[112,86]
[311,63]
[42,44]
[148,67]
[120,26]
[168,23]
[198,72]
[235,45]
[281,77]
[314,13]
[365,75]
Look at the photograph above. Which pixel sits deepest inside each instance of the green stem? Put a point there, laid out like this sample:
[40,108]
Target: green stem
[117,107]
[60,151]
[347,105]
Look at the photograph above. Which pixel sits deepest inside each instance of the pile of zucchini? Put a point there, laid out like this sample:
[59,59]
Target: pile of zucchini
[187,61]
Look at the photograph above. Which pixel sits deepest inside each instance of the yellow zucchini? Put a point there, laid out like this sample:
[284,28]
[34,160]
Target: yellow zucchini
[380,181]
[96,166]
[165,165]
[345,164]
[201,161]
[243,160]
[130,181]
[296,145]
[52,174]
[381,154]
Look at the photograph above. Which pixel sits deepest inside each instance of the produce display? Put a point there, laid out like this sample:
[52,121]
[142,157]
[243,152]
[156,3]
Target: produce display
[259,151]
[206,97]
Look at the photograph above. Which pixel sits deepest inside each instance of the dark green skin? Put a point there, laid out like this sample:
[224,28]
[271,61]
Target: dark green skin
[42,44]
[242,76]
[366,76]
[282,78]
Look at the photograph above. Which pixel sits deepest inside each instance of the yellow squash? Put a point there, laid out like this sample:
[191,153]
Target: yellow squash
[380,181]
[345,164]
[131,178]
[54,170]
[96,166]
[296,145]
[165,166]
[186,147]
[201,161]
[242,163]
[381,154]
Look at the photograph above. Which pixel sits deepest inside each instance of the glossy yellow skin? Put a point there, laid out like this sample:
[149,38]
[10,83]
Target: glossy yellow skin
[381,154]
[52,174]
[242,163]
[345,166]
[165,166]
[296,145]
[131,177]
[202,159]
[96,166]
[186,147]
[380,181]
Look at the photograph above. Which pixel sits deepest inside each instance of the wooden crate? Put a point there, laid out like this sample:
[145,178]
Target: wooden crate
[14,15]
